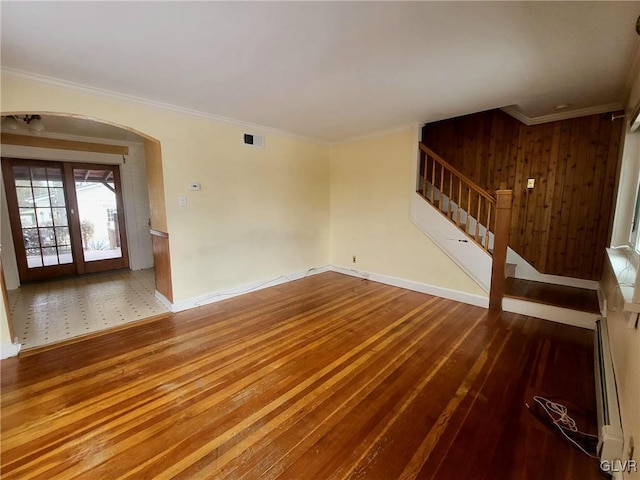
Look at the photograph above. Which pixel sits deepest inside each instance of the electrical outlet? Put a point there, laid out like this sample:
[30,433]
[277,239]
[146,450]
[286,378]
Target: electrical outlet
[353,258]
[531,183]
[182,200]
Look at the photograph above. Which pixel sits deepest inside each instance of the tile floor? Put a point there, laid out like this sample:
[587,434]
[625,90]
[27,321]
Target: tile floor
[45,313]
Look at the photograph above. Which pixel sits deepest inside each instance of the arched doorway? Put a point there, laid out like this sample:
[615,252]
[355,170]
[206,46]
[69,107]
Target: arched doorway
[78,139]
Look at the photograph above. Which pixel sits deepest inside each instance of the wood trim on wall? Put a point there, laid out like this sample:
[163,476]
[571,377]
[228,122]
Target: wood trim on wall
[56,143]
[162,263]
[155,182]
[5,299]
[560,226]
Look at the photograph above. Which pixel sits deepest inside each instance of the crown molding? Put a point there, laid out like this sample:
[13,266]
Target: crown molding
[553,117]
[380,133]
[57,82]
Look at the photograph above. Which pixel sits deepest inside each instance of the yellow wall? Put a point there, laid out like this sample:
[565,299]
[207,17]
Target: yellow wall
[371,184]
[260,213]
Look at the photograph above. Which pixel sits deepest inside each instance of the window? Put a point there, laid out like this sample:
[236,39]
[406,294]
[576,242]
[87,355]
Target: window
[634,238]
[112,214]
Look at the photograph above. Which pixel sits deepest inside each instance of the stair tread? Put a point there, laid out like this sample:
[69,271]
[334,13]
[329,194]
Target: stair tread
[573,298]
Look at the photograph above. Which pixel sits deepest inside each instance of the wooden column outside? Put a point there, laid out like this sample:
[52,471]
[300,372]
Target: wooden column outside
[500,244]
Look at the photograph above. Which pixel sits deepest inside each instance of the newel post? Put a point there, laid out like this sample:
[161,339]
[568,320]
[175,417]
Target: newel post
[500,244]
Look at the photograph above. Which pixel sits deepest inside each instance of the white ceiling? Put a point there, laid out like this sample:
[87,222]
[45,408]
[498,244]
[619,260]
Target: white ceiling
[333,70]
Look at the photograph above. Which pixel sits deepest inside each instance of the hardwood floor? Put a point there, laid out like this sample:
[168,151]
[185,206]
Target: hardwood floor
[328,377]
[558,295]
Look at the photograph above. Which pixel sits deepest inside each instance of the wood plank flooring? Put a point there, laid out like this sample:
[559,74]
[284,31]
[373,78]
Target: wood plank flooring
[573,298]
[328,377]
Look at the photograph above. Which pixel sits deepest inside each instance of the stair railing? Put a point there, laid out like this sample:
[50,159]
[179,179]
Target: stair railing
[484,218]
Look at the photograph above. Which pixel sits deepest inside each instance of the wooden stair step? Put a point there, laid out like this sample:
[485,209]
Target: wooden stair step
[573,298]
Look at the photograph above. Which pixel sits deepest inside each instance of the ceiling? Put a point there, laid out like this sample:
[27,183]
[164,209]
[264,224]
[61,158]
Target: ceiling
[333,70]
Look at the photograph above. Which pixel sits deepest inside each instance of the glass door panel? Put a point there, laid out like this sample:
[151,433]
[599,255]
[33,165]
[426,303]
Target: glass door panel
[40,219]
[97,210]
[38,187]
[98,198]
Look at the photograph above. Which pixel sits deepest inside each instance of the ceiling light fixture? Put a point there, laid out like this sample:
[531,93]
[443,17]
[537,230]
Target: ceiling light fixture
[34,123]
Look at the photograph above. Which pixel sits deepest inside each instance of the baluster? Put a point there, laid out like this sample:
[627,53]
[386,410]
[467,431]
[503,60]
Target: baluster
[450,209]
[468,208]
[478,218]
[433,180]
[459,198]
[424,175]
[486,244]
[441,187]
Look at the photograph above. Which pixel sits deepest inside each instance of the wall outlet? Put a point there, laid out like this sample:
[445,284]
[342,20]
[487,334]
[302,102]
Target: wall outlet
[353,259]
[531,183]
[182,200]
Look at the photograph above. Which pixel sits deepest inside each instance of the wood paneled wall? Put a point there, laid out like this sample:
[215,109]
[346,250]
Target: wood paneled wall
[561,226]
[162,263]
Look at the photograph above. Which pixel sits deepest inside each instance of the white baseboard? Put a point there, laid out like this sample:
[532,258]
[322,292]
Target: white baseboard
[9,350]
[213,297]
[525,271]
[545,312]
[549,312]
[456,295]
[164,300]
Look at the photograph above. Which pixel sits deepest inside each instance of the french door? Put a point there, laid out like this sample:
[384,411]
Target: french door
[66,218]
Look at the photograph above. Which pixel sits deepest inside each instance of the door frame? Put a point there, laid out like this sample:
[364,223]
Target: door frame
[78,266]
[76,233]
[29,274]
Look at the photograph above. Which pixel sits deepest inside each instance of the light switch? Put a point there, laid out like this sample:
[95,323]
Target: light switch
[182,200]
[531,183]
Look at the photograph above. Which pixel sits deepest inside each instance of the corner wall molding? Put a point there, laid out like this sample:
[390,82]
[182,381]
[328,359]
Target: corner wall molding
[582,112]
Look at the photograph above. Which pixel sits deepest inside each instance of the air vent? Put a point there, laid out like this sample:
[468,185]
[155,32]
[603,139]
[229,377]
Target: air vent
[253,140]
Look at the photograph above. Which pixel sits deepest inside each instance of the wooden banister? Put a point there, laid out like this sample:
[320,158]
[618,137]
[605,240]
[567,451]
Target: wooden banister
[464,202]
[457,173]
[501,242]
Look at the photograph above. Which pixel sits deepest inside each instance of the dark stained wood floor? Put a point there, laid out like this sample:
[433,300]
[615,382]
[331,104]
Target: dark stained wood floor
[558,295]
[328,377]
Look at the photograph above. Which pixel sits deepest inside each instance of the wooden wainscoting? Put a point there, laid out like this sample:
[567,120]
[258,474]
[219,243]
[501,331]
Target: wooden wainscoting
[561,225]
[328,377]
[162,263]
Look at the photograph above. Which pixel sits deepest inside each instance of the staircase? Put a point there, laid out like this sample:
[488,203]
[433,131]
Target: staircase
[479,243]
[484,218]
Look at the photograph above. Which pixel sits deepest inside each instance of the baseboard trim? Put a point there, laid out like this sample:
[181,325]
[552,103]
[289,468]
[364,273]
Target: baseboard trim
[9,350]
[463,297]
[574,318]
[522,307]
[213,297]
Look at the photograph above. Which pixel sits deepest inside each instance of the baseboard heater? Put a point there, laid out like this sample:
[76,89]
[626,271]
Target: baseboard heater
[610,439]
